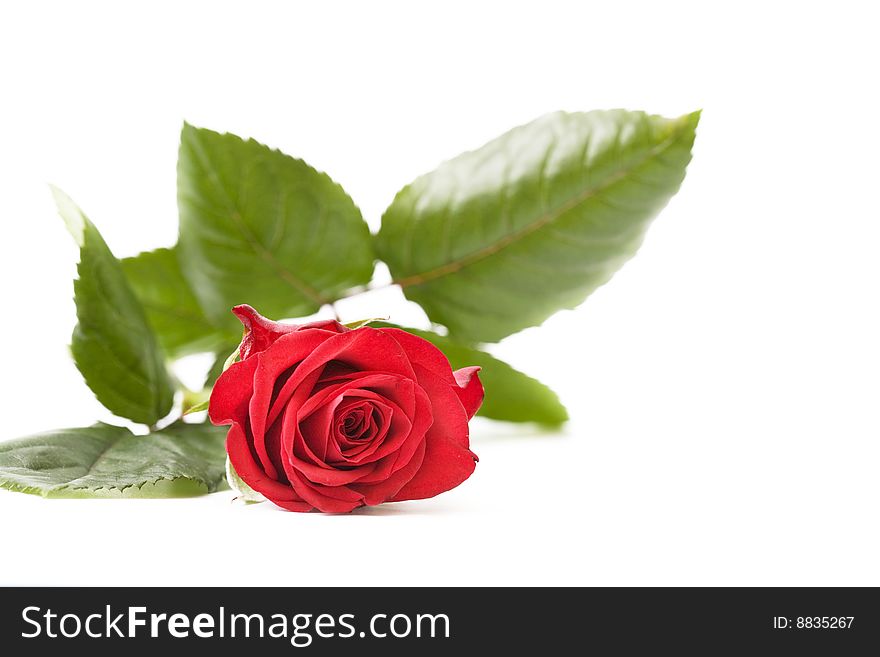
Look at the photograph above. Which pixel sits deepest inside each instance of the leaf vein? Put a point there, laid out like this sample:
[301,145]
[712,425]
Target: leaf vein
[545,219]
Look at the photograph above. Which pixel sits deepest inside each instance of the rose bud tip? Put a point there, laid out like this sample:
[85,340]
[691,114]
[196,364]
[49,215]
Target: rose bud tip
[246,314]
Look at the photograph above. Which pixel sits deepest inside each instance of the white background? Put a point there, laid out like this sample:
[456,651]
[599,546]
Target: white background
[723,387]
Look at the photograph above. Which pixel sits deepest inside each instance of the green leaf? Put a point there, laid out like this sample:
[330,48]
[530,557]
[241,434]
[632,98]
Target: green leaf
[198,408]
[170,304]
[510,395]
[113,345]
[260,227]
[498,239]
[364,322]
[93,460]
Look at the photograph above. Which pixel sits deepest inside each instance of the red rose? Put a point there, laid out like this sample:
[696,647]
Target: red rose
[331,418]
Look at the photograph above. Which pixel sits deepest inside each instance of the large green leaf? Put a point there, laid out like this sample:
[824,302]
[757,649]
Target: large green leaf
[260,227]
[113,345]
[171,306]
[498,239]
[94,460]
[510,394]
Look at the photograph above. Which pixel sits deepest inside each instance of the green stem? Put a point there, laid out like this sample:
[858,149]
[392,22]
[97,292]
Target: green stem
[194,398]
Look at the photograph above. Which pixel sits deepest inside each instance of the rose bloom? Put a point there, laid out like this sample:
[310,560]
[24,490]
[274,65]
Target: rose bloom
[330,418]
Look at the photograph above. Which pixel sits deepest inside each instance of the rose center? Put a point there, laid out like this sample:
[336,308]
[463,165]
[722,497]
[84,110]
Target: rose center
[359,426]
[353,424]
[359,423]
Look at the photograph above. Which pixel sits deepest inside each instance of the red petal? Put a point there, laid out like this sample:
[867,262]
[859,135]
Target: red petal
[252,474]
[232,392]
[422,352]
[365,349]
[448,461]
[444,467]
[469,389]
[270,365]
[384,490]
[329,499]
